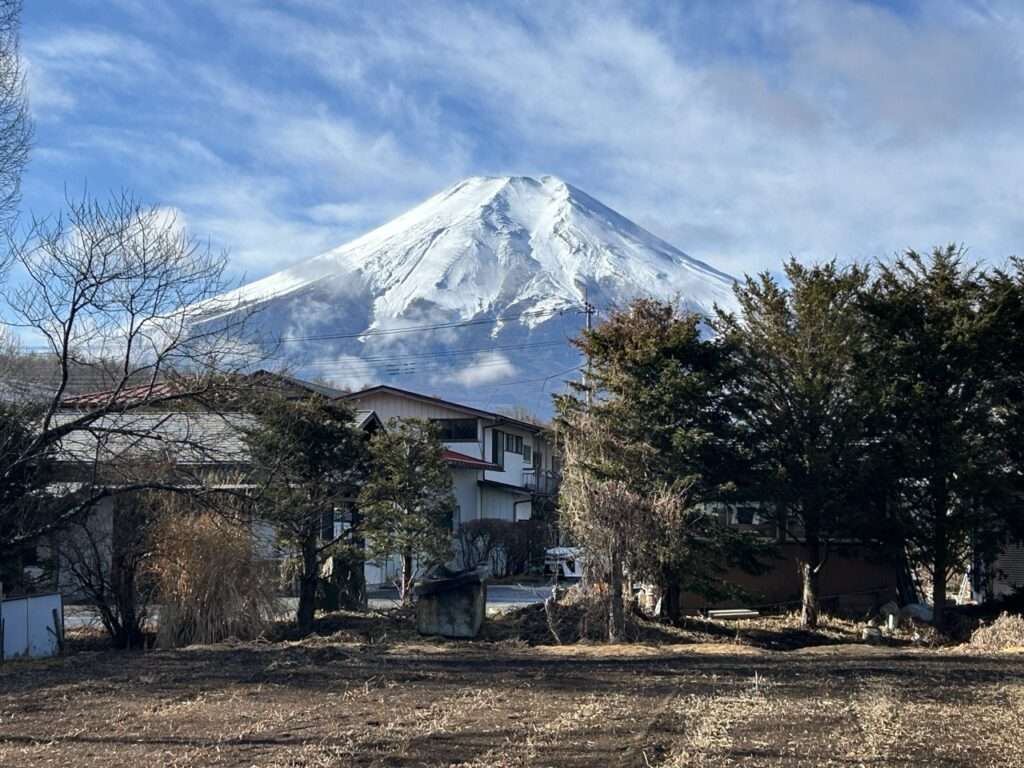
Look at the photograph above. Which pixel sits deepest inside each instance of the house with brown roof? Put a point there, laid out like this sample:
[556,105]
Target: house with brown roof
[502,468]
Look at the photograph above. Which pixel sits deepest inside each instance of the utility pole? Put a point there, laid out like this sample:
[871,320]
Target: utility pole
[588,310]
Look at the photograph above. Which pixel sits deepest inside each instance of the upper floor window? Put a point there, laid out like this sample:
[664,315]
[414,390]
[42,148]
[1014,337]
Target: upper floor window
[456,430]
[513,443]
[498,447]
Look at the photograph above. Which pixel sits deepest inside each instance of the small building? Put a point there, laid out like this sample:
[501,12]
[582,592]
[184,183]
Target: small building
[502,468]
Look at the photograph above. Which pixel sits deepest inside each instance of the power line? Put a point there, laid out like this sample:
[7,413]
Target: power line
[438,353]
[433,327]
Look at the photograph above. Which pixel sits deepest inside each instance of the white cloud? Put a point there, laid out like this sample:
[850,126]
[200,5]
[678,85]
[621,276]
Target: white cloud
[742,132]
[485,368]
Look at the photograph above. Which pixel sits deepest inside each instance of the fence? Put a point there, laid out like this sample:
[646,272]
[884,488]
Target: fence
[31,627]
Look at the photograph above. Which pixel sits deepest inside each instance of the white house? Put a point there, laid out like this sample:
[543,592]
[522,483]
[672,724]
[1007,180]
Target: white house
[501,466]
[499,462]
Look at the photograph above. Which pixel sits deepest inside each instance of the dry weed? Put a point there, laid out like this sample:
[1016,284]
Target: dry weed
[1005,633]
[210,585]
[878,712]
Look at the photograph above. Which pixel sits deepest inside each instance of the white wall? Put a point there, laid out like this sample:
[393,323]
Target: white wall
[29,629]
[498,505]
[467,494]
[512,464]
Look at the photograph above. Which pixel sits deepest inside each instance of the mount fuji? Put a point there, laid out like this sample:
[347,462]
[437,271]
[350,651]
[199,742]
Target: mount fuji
[471,295]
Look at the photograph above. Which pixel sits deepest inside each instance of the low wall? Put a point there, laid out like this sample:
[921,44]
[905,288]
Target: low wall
[857,580]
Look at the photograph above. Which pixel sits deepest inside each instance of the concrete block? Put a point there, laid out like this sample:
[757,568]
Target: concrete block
[451,606]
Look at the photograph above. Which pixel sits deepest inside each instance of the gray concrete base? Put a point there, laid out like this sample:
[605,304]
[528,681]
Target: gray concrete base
[451,607]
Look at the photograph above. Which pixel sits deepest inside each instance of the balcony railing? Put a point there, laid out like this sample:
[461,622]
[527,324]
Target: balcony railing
[541,481]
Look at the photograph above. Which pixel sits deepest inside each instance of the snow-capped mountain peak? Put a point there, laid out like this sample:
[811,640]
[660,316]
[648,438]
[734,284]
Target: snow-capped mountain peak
[514,247]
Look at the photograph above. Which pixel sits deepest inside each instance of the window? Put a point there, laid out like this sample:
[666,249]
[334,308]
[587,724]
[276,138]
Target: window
[456,430]
[746,515]
[519,444]
[527,454]
[498,447]
[513,443]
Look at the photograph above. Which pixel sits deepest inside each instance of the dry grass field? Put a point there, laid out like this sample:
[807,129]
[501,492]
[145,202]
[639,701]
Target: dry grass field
[353,698]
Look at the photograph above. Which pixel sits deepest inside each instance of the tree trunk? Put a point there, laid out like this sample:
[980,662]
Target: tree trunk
[357,598]
[811,596]
[616,614]
[407,574]
[346,587]
[130,629]
[940,566]
[671,600]
[810,571]
[308,581]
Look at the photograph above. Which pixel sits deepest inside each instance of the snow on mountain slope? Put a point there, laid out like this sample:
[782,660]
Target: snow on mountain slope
[523,249]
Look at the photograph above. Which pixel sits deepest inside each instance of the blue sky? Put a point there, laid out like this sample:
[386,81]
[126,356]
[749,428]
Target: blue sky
[740,132]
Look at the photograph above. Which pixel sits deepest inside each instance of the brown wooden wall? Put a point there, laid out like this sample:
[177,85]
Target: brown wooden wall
[856,581]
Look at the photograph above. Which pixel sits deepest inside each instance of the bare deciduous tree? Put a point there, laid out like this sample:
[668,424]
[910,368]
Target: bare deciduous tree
[114,290]
[105,557]
[618,526]
[15,123]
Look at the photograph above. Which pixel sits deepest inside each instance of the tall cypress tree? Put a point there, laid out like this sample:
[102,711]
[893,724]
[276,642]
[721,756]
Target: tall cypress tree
[407,502]
[947,346]
[808,423]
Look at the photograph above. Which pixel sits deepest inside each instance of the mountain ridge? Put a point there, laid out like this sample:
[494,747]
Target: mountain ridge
[516,247]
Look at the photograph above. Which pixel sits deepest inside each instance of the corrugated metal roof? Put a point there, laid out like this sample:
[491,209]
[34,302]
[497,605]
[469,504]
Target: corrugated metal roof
[230,386]
[185,437]
[182,437]
[128,396]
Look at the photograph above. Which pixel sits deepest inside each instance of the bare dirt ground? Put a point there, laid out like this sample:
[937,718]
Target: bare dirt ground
[371,697]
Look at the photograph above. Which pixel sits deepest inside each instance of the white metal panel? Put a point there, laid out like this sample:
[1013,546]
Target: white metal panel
[14,614]
[42,633]
[28,626]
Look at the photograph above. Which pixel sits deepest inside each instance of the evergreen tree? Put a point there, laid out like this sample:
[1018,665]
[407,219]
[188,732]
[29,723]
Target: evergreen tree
[810,416]
[309,459]
[1005,305]
[947,347]
[407,501]
[658,446]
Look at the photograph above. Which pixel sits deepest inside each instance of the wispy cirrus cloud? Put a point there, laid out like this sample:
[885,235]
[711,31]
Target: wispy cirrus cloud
[741,132]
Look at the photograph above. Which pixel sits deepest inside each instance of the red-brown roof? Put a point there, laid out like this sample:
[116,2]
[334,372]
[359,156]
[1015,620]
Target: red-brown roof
[462,460]
[127,396]
[227,386]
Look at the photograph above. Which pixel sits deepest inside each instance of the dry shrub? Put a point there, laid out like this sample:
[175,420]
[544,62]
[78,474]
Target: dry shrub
[209,582]
[1004,633]
[581,614]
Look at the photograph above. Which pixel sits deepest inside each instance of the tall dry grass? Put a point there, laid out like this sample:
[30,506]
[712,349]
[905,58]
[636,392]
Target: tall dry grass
[1005,633]
[209,583]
